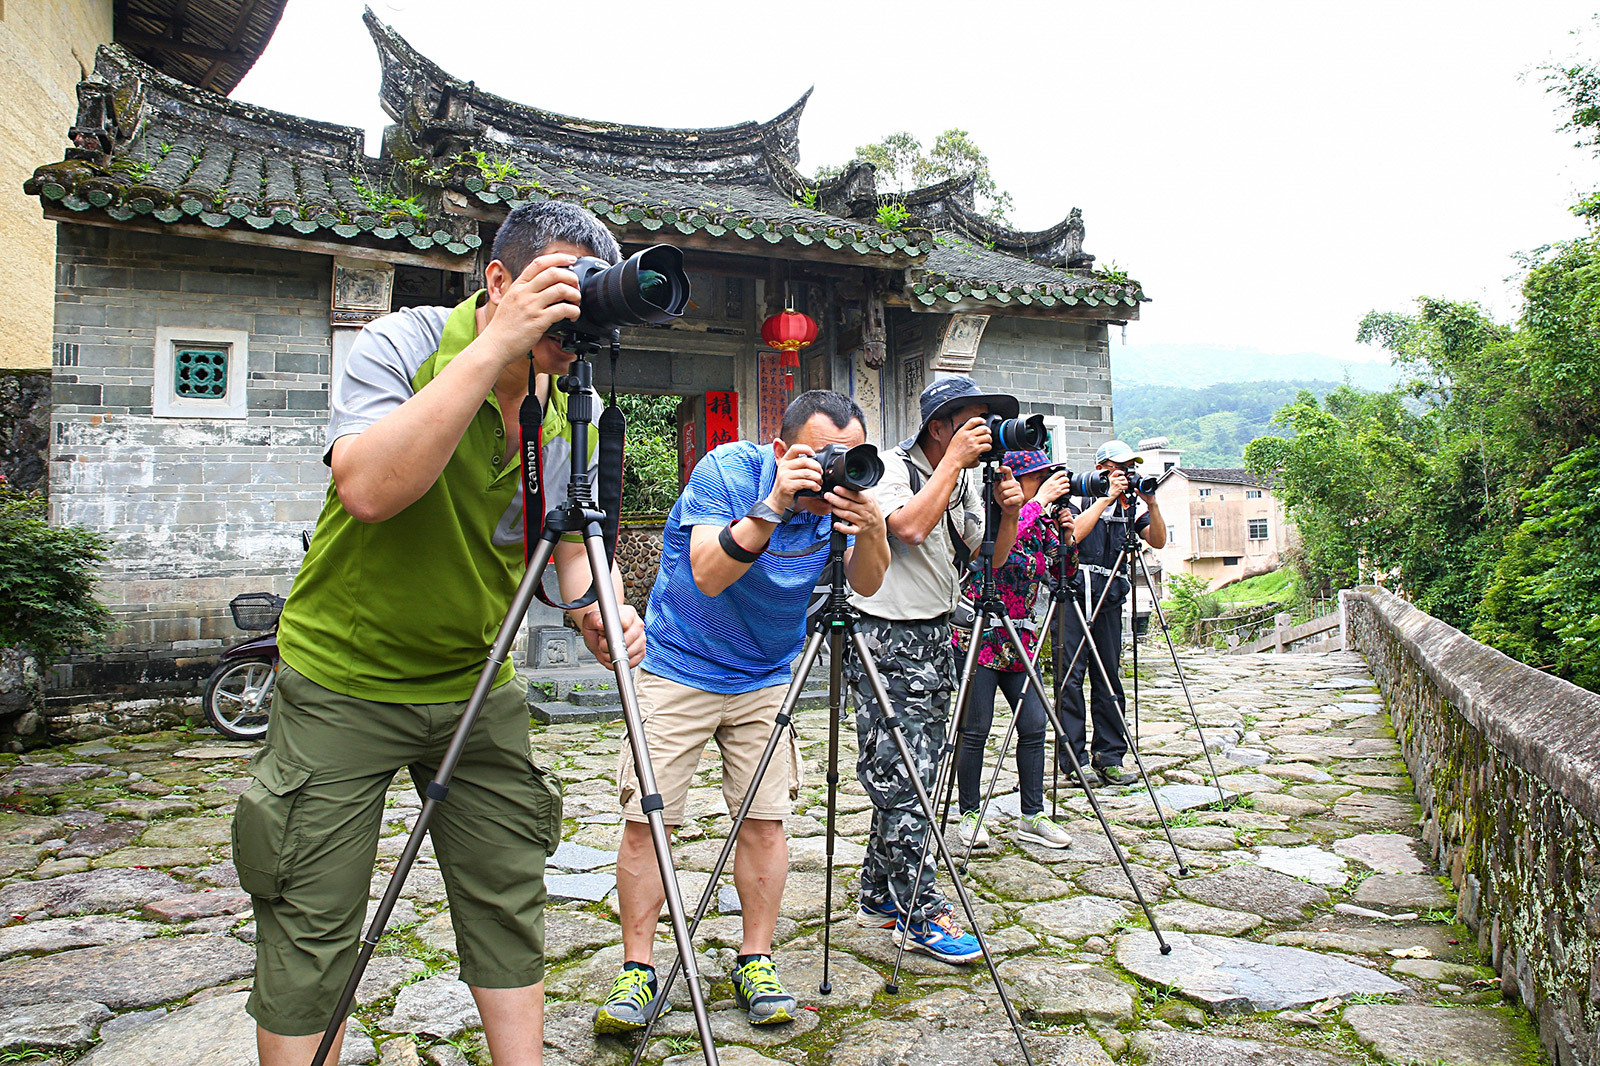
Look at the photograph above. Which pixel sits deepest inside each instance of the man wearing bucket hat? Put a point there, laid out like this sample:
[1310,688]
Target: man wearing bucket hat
[932,503]
[1100,526]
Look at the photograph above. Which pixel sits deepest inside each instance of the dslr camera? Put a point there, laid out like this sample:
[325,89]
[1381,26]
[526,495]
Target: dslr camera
[1096,483]
[647,288]
[1013,435]
[855,468]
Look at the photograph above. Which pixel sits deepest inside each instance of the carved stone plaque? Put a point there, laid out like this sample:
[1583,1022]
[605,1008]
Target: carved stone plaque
[958,348]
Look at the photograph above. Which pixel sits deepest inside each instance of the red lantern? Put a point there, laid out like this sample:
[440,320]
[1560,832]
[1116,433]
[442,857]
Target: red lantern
[788,331]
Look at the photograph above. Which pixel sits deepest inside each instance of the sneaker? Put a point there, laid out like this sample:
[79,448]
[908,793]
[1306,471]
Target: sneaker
[1039,829]
[971,832]
[940,937]
[632,1002]
[877,915]
[1114,774]
[760,994]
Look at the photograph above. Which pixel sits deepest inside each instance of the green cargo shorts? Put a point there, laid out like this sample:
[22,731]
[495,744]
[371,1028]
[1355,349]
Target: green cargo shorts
[306,832]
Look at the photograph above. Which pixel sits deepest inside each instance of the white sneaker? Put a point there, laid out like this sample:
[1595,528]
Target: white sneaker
[1039,829]
[971,831]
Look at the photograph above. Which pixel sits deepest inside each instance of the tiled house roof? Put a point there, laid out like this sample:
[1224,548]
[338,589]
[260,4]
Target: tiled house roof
[208,43]
[148,148]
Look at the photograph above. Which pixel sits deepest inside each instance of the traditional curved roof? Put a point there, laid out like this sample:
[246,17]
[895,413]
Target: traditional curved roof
[148,148]
[148,145]
[432,106]
[210,44]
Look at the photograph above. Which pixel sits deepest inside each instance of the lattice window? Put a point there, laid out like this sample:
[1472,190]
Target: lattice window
[1258,529]
[200,373]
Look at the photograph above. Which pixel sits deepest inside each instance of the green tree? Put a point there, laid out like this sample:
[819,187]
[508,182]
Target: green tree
[650,454]
[47,577]
[902,165]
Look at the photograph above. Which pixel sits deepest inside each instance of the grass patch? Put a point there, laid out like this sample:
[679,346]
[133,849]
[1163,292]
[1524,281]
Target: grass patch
[1275,587]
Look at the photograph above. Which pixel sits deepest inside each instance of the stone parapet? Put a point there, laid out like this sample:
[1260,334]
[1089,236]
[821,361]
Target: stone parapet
[1506,762]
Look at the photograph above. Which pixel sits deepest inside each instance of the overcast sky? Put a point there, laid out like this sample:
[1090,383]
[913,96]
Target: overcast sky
[1269,171]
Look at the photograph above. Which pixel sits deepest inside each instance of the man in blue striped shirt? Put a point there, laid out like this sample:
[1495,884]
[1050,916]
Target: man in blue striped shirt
[742,553]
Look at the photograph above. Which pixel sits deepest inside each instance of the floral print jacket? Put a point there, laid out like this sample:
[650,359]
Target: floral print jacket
[1018,580]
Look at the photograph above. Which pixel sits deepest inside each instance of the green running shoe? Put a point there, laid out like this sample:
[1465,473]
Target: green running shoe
[1114,774]
[760,994]
[631,1004]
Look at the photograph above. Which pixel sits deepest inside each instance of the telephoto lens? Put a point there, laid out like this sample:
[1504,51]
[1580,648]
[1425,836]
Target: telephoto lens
[1015,435]
[1091,483]
[647,288]
[857,468]
[1146,484]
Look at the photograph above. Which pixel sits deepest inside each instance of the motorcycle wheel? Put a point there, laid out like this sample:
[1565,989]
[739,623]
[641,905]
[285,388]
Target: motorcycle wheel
[238,698]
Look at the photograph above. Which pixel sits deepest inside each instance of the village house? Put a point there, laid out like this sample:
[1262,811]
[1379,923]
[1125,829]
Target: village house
[1223,523]
[214,260]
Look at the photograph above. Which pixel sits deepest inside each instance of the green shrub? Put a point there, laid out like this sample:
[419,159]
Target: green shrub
[47,576]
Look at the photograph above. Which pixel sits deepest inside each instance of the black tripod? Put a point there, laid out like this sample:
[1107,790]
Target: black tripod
[580,514]
[836,619]
[1129,559]
[989,608]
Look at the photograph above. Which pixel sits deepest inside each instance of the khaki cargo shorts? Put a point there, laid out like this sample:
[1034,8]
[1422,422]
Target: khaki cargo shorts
[678,720]
[306,832]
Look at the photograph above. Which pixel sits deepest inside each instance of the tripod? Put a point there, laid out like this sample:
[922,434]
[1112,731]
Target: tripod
[988,607]
[580,514]
[836,620]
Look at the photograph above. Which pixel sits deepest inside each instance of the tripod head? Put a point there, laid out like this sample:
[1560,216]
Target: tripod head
[835,608]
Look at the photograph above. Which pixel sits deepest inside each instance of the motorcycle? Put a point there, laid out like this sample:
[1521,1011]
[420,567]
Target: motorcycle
[238,694]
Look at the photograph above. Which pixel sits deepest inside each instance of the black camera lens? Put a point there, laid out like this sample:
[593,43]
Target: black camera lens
[1015,435]
[1091,483]
[857,468]
[648,287]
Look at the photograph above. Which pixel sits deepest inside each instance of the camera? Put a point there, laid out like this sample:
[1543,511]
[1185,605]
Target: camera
[1094,483]
[855,468]
[648,287]
[1014,435]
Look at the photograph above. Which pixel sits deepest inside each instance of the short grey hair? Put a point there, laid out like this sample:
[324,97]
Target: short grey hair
[530,229]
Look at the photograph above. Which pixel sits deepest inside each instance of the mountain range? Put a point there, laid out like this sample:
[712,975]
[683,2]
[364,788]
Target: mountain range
[1197,366]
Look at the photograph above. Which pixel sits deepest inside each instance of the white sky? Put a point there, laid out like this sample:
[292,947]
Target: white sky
[1269,171]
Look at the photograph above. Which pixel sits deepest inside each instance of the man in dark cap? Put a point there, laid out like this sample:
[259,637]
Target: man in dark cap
[932,503]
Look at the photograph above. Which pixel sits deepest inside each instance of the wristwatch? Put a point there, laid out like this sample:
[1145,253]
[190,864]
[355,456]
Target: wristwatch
[764,513]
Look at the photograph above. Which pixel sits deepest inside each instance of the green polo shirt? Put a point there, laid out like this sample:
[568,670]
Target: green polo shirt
[406,610]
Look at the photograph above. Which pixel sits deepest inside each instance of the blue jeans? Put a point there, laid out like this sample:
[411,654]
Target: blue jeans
[975,732]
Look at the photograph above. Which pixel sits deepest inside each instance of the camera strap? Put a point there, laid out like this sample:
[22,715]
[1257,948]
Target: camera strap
[611,431]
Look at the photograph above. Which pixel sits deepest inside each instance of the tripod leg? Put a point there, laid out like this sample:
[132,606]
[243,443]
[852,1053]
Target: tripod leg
[835,709]
[1166,631]
[994,778]
[892,722]
[1133,746]
[438,788]
[979,622]
[783,722]
[1077,768]
[650,799]
[963,697]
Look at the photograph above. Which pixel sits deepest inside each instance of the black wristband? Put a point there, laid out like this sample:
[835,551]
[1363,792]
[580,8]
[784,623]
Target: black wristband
[731,548]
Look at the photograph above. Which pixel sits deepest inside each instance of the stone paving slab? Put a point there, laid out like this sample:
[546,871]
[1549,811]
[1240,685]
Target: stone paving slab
[1446,1036]
[1317,793]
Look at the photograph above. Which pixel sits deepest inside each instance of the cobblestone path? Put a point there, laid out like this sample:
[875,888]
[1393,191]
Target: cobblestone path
[1310,928]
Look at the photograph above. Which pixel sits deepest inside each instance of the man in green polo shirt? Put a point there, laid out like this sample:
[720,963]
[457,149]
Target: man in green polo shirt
[411,572]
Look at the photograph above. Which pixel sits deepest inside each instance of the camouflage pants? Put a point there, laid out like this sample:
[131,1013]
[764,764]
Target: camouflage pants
[916,662]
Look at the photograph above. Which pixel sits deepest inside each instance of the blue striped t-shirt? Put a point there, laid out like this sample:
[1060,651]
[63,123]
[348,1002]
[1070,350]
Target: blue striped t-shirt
[745,638]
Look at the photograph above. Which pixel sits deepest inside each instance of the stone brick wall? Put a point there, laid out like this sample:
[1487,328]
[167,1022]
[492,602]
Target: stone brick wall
[639,558]
[25,428]
[1506,761]
[198,510]
[1053,368]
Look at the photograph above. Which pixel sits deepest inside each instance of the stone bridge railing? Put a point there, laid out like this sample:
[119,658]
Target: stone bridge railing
[1506,761]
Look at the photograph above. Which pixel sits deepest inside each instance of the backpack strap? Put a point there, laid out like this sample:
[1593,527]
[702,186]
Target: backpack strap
[957,544]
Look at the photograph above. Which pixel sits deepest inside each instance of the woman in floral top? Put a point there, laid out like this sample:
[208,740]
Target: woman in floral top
[1018,580]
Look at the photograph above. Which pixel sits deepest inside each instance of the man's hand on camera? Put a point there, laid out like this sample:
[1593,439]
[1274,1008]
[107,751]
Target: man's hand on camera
[1008,493]
[970,443]
[542,297]
[594,635]
[1119,484]
[1055,486]
[798,470]
[856,513]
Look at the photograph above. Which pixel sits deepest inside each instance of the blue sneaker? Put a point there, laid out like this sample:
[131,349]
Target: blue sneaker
[940,937]
[877,915]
